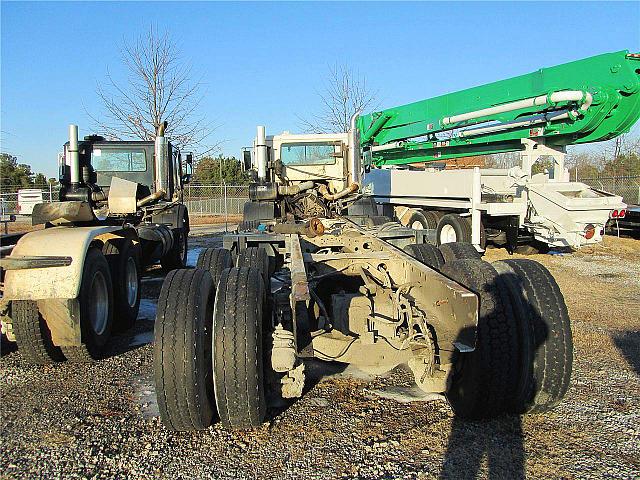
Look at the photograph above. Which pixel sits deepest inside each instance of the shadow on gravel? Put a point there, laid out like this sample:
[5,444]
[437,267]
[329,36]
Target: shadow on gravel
[315,371]
[7,347]
[500,440]
[139,336]
[629,345]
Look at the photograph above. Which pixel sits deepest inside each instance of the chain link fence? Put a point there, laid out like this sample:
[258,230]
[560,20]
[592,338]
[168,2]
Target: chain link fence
[216,199]
[200,199]
[9,196]
[628,187]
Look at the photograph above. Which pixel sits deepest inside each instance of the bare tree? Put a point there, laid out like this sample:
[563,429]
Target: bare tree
[158,88]
[345,94]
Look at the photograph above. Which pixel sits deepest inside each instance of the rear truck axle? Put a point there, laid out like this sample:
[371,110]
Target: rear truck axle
[373,297]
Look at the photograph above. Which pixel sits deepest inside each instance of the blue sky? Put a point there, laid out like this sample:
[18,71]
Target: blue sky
[263,63]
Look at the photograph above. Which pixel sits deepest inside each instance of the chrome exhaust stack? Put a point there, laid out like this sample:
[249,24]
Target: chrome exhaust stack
[74,156]
[355,162]
[161,152]
[261,154]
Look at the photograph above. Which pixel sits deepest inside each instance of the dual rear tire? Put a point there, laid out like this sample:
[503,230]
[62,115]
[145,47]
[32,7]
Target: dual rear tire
[208,355]
[95,305]
[449,227]
[109,300]
[524,352]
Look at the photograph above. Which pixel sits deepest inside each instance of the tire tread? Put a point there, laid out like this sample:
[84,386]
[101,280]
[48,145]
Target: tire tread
[182,365]
[33,335]
[496,352]
[426,253]
[237,351]
[552,342]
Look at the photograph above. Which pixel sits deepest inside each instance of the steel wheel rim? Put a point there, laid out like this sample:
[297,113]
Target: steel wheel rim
[131,279]
[448,234]
[99,303]
[417,225]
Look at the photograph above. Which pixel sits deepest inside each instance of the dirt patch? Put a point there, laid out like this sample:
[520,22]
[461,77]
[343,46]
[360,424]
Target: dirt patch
[214,219]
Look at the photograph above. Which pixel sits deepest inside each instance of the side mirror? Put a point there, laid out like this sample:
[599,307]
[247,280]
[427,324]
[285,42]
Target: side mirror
[188,168]
[366,161]
[246,160]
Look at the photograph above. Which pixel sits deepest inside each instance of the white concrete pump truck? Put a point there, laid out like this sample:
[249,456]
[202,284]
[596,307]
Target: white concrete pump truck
[68,286]
[319,268]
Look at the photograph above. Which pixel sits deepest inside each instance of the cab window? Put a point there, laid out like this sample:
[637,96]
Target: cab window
[119,160]
[307,154]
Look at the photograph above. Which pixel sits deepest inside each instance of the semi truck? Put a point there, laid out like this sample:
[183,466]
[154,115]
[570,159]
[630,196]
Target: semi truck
[68,286]
[319,268]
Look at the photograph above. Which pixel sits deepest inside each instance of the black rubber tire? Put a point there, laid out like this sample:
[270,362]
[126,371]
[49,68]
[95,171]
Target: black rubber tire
[426,253]
[547,343]
[459,251]
[32,334]
[182,350]
[176,257]
[420,217]
[484,379]
[238,363]
[432,217]
[215,260]
[93,343]
[378,220]
[461,227]
[118,254]
[256,257]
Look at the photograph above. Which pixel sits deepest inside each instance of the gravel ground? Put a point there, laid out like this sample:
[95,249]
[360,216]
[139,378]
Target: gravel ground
[100,420]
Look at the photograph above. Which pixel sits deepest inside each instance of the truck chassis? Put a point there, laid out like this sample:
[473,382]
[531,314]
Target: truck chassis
[494,338]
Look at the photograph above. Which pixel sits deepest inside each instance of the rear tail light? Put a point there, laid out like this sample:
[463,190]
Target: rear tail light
[618,213]
[589,231]
[622,213]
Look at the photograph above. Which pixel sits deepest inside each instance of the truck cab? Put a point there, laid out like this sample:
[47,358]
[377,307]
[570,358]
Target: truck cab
[135,161]
[303,157]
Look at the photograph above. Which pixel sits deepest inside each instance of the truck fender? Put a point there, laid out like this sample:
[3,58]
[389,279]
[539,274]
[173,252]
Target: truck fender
[175,217]
[61,282]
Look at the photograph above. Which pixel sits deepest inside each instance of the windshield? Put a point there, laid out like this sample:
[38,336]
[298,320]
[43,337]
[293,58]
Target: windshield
[307,154]
[119,160]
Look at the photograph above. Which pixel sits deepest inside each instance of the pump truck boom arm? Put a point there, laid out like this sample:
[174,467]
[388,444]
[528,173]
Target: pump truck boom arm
[589,100]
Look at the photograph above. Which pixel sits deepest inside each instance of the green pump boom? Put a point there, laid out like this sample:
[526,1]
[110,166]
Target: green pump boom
[589,100]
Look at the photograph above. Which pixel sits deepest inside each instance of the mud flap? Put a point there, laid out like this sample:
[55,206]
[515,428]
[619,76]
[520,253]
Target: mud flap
[63,319]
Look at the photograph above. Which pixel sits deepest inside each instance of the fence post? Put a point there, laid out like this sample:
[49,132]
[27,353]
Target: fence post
[226,229]
[50,193]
